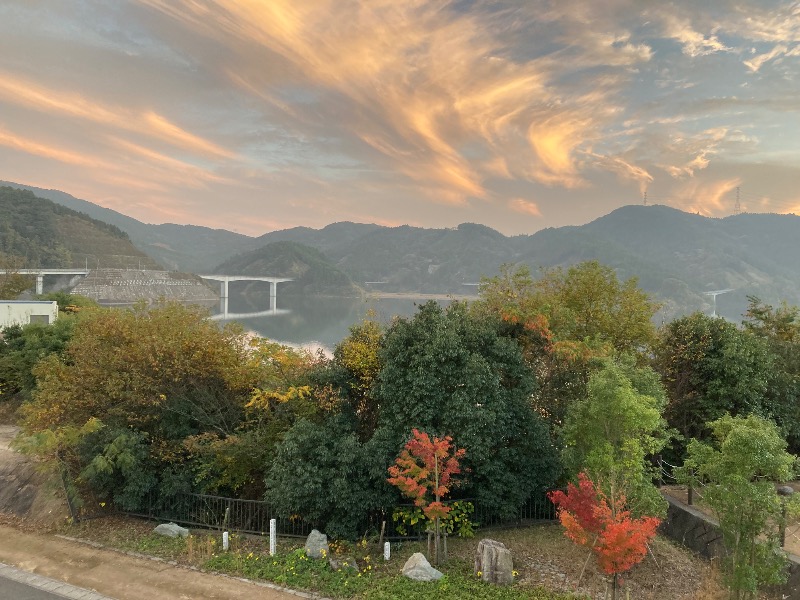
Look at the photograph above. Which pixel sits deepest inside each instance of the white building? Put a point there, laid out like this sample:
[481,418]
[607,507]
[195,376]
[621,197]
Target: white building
[22,312]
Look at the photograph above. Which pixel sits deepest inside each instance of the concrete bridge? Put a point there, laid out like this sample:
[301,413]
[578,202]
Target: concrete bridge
[226,279]
[223,295]
[40,273]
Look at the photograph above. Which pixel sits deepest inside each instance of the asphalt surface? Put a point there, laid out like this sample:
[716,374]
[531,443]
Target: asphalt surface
[22,585]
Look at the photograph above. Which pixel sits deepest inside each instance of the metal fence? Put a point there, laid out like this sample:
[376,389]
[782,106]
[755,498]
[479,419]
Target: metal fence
[216,512]
[253,516]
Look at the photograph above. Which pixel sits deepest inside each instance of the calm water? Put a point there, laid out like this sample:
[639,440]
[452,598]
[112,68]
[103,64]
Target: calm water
[311,322]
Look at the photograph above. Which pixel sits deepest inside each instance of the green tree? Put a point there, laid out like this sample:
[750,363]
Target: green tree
[565,321]
[324,473]
[611,434]
[710,367]
[357,363]
[154,379]
[738,468]
[448,371]
[779,327]
[12,284]
[21,347]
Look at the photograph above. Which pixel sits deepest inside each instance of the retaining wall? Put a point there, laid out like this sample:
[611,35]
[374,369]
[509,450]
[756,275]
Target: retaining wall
[701,533]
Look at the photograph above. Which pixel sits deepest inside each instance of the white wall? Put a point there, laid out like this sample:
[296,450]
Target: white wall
[19,312]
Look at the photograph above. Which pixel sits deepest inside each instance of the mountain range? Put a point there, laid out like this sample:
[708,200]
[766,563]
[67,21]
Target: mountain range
[678,257]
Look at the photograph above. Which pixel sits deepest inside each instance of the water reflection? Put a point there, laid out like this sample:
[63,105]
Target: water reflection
[309,322]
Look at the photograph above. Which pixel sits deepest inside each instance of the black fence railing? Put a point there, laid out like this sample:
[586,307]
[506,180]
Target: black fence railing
[212,512]
[253,516]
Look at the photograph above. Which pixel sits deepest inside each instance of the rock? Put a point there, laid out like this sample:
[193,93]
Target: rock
[419,569]
[171,530]
[493,562]
[317,545]
[343,563]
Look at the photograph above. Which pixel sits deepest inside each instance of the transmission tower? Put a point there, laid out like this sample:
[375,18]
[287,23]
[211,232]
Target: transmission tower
[737,208]
[644,198]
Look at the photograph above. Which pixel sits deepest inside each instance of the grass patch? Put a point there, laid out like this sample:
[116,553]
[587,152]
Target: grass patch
[549,565]
[296,570]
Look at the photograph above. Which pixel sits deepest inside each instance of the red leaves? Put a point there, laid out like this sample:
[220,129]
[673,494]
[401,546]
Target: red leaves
[618,540]
[426,467]
[581,503]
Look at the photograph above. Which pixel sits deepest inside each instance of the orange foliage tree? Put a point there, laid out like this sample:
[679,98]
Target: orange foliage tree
[425,468]
[591,519]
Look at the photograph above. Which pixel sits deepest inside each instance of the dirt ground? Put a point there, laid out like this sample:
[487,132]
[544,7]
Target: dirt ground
[118,575]
[544,556]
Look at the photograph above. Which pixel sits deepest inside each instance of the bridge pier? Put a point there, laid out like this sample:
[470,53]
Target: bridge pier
[223,285]
[273,295]
[39,284]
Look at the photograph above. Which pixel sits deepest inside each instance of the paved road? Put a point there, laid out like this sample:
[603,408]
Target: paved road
[120,576]
[22,585]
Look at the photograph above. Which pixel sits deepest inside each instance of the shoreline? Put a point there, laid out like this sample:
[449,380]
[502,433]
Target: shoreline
[420,296]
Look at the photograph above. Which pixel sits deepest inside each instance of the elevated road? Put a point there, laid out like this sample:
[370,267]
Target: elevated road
[40,273]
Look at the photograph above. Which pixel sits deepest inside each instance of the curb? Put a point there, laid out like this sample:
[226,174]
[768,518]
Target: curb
[53,586]
[174,563]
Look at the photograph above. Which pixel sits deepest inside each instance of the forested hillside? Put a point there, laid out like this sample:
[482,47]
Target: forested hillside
[178,247]
[35,232]
[312,273]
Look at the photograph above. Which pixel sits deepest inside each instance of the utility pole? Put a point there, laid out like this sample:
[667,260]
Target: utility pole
[644,198]
[737,208]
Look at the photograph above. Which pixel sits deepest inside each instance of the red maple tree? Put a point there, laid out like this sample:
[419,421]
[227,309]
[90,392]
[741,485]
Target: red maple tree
[425,467]
[618,540]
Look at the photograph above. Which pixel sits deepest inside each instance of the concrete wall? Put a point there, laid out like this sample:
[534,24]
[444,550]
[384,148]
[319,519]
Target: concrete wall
[125,286]
[19,312]
[701,533]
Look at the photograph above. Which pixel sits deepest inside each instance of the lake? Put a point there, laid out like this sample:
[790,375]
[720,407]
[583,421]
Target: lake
[312,322]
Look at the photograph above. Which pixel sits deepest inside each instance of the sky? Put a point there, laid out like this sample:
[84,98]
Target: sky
[257,115]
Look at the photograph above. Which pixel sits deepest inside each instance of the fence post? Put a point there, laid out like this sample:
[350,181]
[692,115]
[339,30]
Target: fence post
[273,533]
[785,492]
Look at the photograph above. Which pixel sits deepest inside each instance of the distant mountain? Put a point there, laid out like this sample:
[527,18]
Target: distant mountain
[676,256]
[39,233]
[313,274]
[178,247]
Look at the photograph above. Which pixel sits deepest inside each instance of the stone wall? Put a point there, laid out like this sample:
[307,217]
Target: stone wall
[701,533]
[126,286]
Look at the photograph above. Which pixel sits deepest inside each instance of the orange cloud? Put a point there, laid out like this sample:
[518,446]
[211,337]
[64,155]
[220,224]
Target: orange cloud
[425,86]
[62,102]
[525,207]
[709,198]
[28,146]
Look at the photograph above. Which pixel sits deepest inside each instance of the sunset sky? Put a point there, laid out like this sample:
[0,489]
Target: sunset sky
[255,115]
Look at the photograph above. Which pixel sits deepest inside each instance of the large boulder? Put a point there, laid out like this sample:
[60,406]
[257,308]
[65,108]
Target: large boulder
[419,569]
[171,530]
[317,545]
[493,562]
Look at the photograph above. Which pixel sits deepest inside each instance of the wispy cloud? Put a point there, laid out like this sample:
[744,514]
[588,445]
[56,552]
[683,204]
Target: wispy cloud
[525,207]
[425,111]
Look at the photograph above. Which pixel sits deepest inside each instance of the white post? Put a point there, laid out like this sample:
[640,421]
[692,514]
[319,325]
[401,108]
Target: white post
[225,541]
[387,551]
[273,534]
